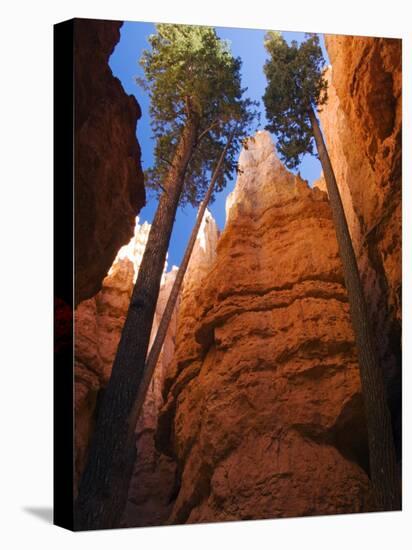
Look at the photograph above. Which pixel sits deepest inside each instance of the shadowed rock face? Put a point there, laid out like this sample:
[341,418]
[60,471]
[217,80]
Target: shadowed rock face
[109,190]
[362,124]
[155,478]
[255,410]
[263,411]
[98,326]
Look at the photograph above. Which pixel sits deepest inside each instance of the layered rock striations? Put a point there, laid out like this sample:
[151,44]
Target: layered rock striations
[255,409]
[155,478]
[263,411]
[98,325]
[362,125]
[109,190]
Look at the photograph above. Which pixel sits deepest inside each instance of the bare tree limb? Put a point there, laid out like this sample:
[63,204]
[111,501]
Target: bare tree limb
[215,123]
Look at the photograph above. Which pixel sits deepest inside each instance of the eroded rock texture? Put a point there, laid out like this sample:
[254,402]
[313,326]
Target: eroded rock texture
[255,410]
[155,478]
[109,190]
[154,473]
[98,325]
[362,124]
[263,410]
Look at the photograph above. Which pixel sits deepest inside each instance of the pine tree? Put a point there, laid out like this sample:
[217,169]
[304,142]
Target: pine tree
[196,100]
[295,87]
[157,345]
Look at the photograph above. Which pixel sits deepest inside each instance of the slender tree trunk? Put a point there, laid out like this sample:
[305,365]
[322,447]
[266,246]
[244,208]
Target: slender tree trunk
[157,345]
[104,485]
[382,458]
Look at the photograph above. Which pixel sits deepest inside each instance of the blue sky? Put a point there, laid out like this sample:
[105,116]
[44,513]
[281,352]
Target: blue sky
[245,43]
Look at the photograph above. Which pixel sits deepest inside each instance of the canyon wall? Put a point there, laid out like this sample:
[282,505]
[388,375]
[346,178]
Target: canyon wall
[263,411]
[362,124]
[109,190]
[98,325]
[255,410]
[155,477]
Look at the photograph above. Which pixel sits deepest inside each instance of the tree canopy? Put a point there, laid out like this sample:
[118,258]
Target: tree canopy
[190,69]
[295,84]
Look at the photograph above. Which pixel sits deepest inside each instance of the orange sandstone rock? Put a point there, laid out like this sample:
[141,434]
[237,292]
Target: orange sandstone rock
[109,189]
[155,478]
[98,325]
[263,410]
[362,124]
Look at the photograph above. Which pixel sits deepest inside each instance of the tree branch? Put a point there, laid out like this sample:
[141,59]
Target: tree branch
[187,105]
[165,160]
[216,123]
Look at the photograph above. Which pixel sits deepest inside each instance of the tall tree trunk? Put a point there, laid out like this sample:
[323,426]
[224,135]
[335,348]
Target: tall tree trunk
[157,345]
[104,485]
[382,458]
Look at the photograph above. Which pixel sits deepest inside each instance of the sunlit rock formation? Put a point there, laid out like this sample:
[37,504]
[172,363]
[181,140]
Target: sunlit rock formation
[362,124]
[154,474]
[255,410]
[263,410]
[109,190]
[98,325]
[155,479]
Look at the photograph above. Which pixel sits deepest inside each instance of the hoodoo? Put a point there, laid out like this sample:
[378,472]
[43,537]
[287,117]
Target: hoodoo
[362,125]
[98,326]
[255,409]
[264,410]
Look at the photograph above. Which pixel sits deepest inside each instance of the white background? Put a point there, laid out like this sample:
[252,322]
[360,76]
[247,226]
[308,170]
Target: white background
[26,271]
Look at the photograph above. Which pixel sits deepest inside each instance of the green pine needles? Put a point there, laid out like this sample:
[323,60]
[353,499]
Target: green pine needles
[295,85]
[190,71]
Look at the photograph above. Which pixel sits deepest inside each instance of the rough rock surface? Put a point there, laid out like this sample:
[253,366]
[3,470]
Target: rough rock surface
[362,124]
[263,410]
[98,325]
[154,474]
[153,486]
[109,190]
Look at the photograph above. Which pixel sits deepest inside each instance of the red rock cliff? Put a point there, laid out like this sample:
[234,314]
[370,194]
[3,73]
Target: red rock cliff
[264,413]
[255,410]
[155,478]
[109,189]
[98,325]
[362,124]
